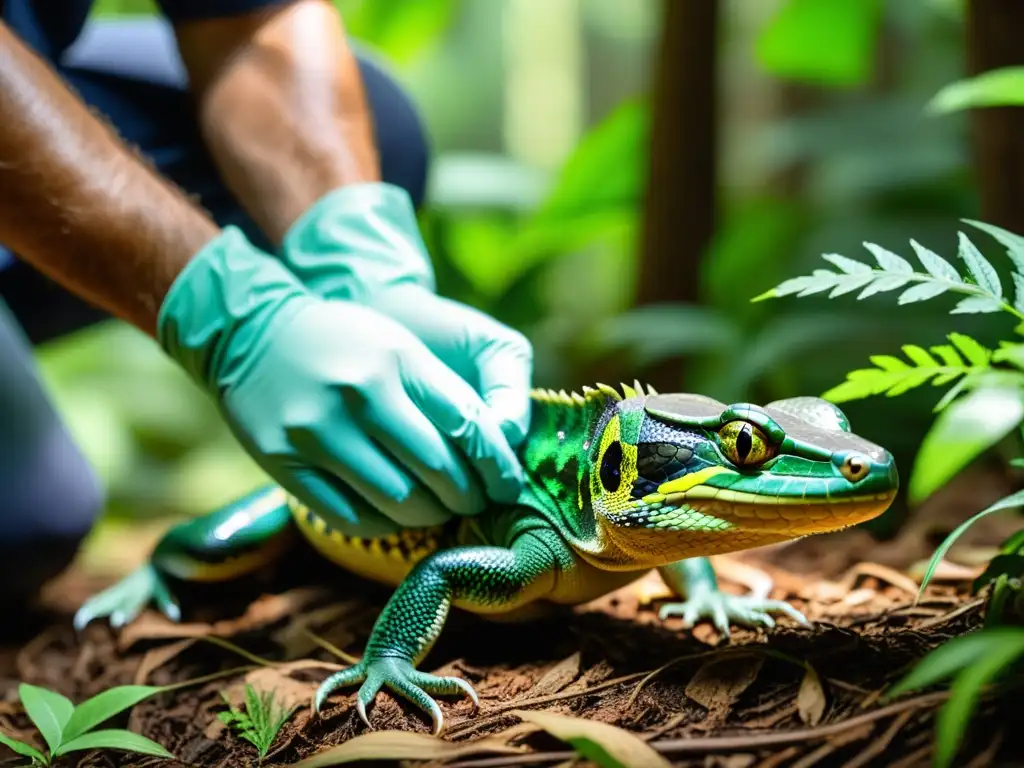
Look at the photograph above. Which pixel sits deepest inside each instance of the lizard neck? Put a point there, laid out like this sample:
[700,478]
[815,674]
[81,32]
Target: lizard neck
[555,458]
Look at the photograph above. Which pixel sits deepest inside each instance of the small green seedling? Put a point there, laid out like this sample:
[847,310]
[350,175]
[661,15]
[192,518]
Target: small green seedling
[66,728]
[261,721]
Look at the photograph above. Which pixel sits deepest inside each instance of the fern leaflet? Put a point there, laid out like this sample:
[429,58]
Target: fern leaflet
[893,376]
[981,284]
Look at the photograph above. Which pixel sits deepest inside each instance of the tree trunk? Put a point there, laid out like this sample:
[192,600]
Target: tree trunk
[681,205]
[993,40]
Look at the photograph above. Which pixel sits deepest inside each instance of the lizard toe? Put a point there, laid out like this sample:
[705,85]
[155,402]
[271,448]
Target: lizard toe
[346,677]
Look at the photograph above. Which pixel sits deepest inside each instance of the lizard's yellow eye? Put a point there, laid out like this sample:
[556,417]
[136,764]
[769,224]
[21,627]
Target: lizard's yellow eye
[744,444]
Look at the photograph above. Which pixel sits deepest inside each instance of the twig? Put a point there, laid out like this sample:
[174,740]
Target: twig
[495,714]
[330,647]
[229,646]
[946,617]
[830,746]
[721,744]
[879,745]
[882,573]
[208,678]
[914,758]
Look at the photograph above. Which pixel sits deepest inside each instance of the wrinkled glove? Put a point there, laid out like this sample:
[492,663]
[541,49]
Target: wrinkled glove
[362,242]
[331,397]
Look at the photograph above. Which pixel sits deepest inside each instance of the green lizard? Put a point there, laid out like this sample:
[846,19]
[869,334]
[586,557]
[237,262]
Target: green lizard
[616,485]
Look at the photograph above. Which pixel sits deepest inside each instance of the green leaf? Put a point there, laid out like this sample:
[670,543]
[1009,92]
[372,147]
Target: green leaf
[23,749]
[115,738]
[919,356]
[606,171]
[979,267]
[1018,291]
[892,376]
[821,41]
[1008,502]
[889,363]
[976,354]
[976,305]
[607,745]
[889,261]
[849,266]
[1009,353]
[883,284]
[948,659]
[1014,243]
[948,355]
[952,720]
[402,745]
[400,28]
[935,264]
[922,292]
[105,705]
[50,711]
[961,432]
[994,88]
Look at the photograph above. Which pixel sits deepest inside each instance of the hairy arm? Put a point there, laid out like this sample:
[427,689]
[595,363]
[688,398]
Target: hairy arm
[282,107]
[78,205]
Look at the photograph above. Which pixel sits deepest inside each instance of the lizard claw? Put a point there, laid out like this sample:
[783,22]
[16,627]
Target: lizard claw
[126,599]
[723,609]
[401,678]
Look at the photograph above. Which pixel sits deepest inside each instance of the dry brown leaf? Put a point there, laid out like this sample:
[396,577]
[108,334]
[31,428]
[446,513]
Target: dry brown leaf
[859,597]
[293,637]
[157,657]
[882,573]
[718,684]
[592,676]
[811,700]
[265,610]
[556,678]
[404,745]
[288,691]
[592,739]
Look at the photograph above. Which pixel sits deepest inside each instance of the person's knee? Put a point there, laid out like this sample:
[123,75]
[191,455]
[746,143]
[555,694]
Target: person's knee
[52,497]
[399,130]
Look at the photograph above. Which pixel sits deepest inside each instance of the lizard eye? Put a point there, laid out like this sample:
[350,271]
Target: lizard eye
[611,467]
[744,444]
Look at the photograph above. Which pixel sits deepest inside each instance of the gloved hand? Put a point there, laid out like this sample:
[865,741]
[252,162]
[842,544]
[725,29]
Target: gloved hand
[332,397]
[362,242]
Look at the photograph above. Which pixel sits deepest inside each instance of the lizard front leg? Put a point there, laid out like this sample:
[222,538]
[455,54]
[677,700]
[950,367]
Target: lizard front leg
[484,579]
[695,581]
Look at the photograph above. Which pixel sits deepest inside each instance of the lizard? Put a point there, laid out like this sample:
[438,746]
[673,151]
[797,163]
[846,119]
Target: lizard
[617,484]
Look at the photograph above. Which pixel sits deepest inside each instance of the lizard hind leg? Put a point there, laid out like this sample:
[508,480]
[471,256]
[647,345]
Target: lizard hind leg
[222,545]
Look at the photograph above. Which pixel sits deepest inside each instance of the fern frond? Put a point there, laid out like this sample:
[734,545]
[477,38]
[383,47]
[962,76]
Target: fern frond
[981,284]
[261,721]
[893,376]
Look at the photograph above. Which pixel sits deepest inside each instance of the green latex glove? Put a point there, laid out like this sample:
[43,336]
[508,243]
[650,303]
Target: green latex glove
[363,243]
[339,404]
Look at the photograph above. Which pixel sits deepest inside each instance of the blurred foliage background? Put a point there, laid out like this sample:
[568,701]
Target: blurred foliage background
[618,180]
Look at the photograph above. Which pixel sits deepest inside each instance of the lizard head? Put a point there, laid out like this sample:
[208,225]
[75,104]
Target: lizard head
[677,475]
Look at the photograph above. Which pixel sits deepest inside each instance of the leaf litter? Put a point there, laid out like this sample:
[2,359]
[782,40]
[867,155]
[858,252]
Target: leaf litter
[607,684]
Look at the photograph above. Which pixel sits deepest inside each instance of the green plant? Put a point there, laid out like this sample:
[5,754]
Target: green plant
[993,379]
[984,406]
[974,661]
[261,721]
[66,728]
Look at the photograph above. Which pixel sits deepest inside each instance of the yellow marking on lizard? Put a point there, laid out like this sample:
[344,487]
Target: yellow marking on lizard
[386,559]
[685,483]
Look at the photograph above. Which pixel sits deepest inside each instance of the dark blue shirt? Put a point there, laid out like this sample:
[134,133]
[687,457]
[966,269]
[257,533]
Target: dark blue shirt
[51,26]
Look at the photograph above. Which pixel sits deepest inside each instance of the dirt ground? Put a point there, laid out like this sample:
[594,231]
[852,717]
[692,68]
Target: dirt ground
[698,700]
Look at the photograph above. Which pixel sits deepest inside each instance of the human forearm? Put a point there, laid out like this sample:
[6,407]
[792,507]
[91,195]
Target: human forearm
[78,205]
[282,108]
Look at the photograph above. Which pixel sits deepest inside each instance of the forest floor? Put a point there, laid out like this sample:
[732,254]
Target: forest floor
[789,696]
